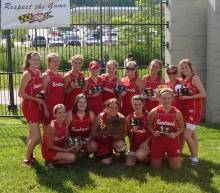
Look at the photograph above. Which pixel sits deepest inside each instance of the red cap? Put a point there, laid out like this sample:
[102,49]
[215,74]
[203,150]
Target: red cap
[94,65]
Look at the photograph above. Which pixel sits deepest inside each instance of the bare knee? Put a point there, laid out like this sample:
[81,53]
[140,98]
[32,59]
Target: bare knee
[156,164]
[187,134]
[107,161]
[141,155]
[119,146]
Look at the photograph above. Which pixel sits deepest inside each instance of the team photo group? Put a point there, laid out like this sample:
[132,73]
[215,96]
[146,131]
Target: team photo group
[92,117]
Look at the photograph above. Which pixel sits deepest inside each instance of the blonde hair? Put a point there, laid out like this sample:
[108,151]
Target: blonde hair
[162,89]
[156,61]
[189,63]
[50,56]
[134,64]
[113,62]
[76,57]
[57,107]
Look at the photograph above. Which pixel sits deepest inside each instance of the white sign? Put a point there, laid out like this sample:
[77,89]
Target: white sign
[34,13]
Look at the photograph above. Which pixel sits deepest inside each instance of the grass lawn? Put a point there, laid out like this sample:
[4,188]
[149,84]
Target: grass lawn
[90,176]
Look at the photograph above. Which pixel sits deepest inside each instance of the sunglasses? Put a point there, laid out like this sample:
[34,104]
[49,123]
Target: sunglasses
[128,68]
[172,73]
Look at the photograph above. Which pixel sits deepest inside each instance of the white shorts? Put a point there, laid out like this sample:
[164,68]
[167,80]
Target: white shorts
[191,126]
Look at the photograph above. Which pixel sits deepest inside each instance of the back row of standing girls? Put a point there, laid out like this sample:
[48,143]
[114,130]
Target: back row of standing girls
[63,90]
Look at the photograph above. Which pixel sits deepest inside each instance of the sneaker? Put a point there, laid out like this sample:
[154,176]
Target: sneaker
[26,162]
[194,161]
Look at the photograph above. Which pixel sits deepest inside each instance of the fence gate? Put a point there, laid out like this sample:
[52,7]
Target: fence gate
[100,29]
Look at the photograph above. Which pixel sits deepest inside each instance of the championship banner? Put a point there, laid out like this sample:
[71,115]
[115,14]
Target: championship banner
[34,14]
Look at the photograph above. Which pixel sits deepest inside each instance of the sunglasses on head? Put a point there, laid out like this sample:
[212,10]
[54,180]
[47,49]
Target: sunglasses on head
[172,73]
[130,68]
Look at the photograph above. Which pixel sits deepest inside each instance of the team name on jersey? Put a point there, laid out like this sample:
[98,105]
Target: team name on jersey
[165,123]
[132,90]
[59,84]
[36,86]
[80,129]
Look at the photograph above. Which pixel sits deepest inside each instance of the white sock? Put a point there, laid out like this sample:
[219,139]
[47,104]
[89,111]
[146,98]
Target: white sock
[195,159]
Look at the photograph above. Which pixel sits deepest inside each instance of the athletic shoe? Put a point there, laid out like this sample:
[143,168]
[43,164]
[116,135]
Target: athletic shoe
[194,161]
[26,162]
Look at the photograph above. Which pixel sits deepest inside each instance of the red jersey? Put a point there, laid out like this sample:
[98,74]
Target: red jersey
[94,103]
[179,104]
[70,97]
[80,128]
[153,84]
[193,107]
[108,88]
[54,93]
[137,137]
[164,119]
[131,89]
[59,140]
[30,108]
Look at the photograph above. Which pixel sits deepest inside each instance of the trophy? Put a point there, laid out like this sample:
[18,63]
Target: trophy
[164,130]
[119,88]
[97,89]
[73,141]
[114,127]
[149,92]
[41,95]
[181,90]
[80,81]
[136,122]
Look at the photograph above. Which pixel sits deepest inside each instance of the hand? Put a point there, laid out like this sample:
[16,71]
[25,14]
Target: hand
[73,84]
[171,135]
[145,146]
[123,93]
[134,129]
[39,100]
[156,133]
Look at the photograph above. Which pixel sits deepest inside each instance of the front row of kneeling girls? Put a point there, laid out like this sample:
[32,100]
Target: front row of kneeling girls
[147,142]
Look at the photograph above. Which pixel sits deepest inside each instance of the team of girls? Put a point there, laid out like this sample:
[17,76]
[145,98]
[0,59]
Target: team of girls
[106,96]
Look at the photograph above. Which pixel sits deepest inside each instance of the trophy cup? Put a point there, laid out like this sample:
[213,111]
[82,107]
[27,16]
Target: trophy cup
[80,81]
[41,95]
[164,130]
[73,141]
[97,89]
[136,122]
[119,88]
[149,92]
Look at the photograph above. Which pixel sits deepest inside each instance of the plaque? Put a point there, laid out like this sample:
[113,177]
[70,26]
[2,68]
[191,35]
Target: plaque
[41,95]
[80,81]
[119,88]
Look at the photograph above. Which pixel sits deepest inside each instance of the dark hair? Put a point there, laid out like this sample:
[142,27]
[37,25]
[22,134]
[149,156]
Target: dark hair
[110,101]
[189,63]
[130,55]
[172,67]
[78,97]
[138,98]
[28,57]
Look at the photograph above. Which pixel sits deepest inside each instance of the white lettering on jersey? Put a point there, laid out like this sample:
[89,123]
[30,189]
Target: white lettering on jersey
[59,84]
[165,123]
[80,129]
[36,86]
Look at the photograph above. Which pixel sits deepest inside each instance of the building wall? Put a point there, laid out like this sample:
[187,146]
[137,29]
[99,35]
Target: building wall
[194,33]
[213,62]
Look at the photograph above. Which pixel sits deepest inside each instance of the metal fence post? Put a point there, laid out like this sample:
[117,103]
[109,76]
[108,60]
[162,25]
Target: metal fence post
[12,107]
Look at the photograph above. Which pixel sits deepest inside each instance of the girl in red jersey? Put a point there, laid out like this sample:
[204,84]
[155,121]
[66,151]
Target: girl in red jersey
[110,80]
[31,85]
[138,133]
[152,81]
[133,86]
[106,144]
[72,89]
[175,84]
[164,121]
[53,86]
[194,104]
[93,88]
[53,144]
[81,123]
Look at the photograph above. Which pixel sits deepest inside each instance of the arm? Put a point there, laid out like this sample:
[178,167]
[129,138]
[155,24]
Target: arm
[180,123]
[21,92]
[162,82]
[95,126]
[140,84]
[67,80]
[50,140]
[45,81]
[151,122]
